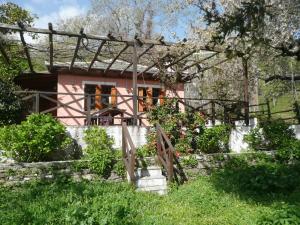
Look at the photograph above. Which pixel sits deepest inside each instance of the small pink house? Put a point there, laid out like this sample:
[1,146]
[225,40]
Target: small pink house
[106,98]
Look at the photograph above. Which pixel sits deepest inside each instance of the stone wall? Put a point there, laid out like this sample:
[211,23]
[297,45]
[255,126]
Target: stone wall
[137,133]
[19,173]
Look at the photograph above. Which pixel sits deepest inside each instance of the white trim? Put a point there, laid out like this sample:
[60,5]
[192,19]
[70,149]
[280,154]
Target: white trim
[150,85]
[98,83]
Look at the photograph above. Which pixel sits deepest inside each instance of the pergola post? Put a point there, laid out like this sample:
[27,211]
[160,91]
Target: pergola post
[246,90]
[134,83]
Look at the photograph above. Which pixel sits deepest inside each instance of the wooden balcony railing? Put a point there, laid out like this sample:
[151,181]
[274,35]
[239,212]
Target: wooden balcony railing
[80,106]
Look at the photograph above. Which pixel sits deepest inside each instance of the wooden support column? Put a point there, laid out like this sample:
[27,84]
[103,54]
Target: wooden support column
[213,113]
[51,46]
[246,90]
[25,47]
[134,84]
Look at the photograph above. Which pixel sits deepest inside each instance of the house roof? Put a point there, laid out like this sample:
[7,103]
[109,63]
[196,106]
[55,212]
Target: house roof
[118,65]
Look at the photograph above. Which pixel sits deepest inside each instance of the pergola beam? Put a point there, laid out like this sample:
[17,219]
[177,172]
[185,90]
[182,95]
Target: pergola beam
[88,36]
[21,26]
[154,64]
[198,62]
[76,49]
[117,56]
[50,46]
[140,55]
[96,55]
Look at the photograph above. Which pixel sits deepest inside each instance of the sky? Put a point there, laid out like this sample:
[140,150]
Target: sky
[54,10]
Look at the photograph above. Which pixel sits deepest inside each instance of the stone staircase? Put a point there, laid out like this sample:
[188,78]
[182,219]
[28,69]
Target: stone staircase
[151,179]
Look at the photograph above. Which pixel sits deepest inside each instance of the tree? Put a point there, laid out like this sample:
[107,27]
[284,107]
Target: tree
[10,104]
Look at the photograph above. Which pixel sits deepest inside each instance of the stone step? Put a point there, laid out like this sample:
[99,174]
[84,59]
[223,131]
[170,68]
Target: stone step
[151,182]
[158,191]
[152,188]
[149,172]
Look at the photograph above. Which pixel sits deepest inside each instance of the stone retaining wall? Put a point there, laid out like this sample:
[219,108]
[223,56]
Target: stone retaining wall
[19,173]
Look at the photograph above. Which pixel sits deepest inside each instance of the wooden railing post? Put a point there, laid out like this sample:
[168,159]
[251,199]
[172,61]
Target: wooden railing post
[165,154]
[297,111]
[37,102]
[88,112]
[129,152]
[268,109]
[213,113]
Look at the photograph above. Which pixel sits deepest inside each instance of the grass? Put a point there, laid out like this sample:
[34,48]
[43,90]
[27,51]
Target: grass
[202,201]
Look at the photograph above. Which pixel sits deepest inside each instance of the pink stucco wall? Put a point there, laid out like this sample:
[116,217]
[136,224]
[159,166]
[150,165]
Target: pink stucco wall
[74,85]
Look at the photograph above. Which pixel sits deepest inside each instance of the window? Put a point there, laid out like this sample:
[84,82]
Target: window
[102,96]
[149,97]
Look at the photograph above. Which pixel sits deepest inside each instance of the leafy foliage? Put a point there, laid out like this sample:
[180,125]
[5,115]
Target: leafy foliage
[201,202]
[283,216]
[34,139]
[190,161]
[214,139]
[259,175]
[270,135]
[10,104]
[187,131]
[11,13]
[99,150]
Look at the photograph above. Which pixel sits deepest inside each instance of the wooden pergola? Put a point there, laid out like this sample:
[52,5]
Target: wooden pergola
[57,46]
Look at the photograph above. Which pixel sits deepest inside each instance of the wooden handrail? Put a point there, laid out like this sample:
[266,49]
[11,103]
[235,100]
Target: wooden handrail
[165,152]
[129,152]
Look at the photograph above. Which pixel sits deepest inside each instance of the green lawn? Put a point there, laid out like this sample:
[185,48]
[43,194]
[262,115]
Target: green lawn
[202,201]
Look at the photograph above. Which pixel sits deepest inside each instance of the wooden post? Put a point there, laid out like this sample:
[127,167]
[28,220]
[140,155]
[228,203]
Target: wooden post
[134,83]
[50,47]
[297,111]
[37,102]
[246,90]
[213,113]
[268,109]
[88,113]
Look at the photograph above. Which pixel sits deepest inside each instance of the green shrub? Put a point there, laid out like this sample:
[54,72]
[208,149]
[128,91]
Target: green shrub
[35,139]
[290,151]
[277,133]
[119,166]
[214,140]
[10,104]
[260,174]
[183,146]
[255,139]
[270,135]
[283,216]
[190,161]
[100,150]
